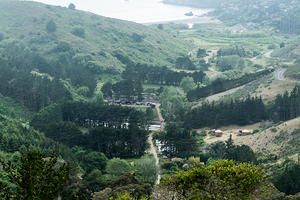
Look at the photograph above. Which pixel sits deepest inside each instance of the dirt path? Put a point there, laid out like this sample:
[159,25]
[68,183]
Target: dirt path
[153,150]
[279,74]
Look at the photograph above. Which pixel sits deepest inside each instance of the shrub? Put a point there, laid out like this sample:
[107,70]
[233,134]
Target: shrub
[273,130]
[137,38]
[79,32]
[72,6]
[51,26]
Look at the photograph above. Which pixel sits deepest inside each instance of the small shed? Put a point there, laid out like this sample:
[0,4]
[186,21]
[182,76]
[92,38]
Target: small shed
[244,132]
[218,132]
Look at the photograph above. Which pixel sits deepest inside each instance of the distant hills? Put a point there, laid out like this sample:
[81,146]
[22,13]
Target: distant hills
[97,42]
[283,15]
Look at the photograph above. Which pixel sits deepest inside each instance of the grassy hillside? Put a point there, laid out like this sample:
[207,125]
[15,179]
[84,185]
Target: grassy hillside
[293,72]
[90,38]
[281,139]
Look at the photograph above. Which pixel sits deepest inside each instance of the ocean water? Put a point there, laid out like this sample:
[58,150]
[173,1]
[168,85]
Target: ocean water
[140,11]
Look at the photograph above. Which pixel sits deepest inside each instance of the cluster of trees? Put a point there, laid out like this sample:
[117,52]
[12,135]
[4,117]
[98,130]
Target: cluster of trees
[232,50]
[34,178]
[221,85]
[226,63]
[289,23]
[114,130]
[287,179]
[34,90]
[177,142]
[95,115]
[122,143]
[173,104]
[229,151]
[287,106]
[159,75]
[79,68]
[240,112]
[201,53]
[128,88]
[184,62]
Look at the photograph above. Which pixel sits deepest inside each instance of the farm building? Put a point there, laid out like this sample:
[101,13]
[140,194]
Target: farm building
[244,132]
[218,132]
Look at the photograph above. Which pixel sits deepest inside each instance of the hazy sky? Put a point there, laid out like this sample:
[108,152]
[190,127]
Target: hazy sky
[133,10]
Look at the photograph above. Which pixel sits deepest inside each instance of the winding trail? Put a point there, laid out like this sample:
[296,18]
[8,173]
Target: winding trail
[279,74]
[153,150]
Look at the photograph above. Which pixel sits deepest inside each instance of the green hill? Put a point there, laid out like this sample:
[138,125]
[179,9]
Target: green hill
[94,41]
[49,53]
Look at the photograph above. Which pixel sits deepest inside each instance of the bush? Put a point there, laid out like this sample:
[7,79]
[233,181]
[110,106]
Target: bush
[79,32]
[273,130]
[272,46]
[72,6]
[160,27]
[63,46]
[137,38]
[51,26]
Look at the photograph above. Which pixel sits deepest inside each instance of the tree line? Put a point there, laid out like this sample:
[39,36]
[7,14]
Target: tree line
[114,130]
[239,112]
[120,143]
[221,85]
[128,88]
[159,75]
[287,105]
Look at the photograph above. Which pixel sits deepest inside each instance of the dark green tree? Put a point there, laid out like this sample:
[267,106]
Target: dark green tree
[288,181]
[107,89]
[72,6]
[51,26]
[35,177]
[201,53]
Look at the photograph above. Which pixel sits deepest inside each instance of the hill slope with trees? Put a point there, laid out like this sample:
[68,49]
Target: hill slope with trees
[97,43]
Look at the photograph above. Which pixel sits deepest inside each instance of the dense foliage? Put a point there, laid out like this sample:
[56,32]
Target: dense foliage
[35,177]
[287,106]
[33,89]
[240,112]
[220,180]
[114,130]
[288,179]
[229,151]
[177,142]
[159,75]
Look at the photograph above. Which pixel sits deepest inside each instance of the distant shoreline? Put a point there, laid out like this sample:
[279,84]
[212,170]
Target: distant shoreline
[194,20]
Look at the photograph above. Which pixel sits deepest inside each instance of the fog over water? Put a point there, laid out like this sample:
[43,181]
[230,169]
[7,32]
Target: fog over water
[141,11]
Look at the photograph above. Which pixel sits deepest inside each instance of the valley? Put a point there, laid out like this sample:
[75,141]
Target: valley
[152,107]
